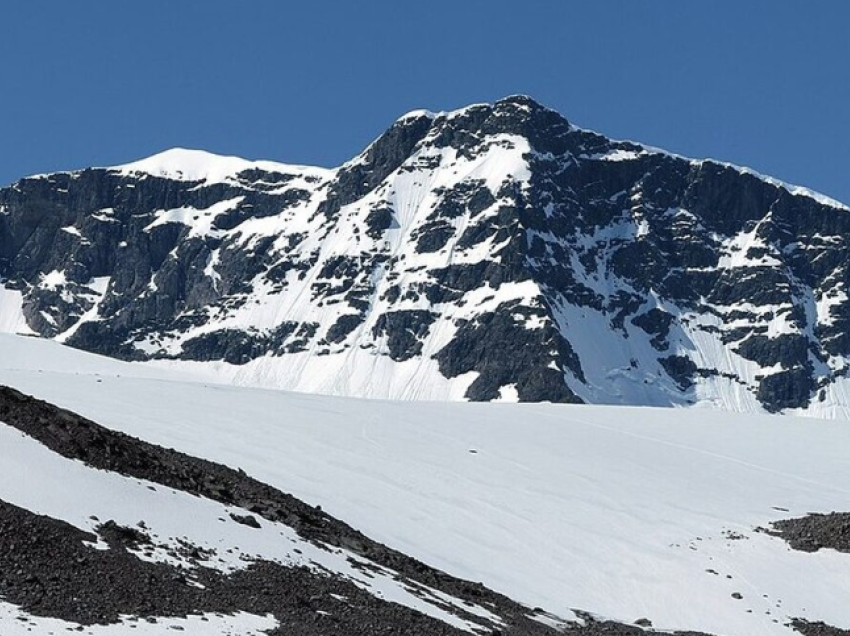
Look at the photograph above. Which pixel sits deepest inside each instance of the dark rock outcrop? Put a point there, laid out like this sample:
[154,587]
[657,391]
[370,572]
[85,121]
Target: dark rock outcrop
[815,532]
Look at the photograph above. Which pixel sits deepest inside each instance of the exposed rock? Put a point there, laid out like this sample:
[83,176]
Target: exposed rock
[404,331]
[817,628]
[503,351]
[344,325]
[815,532]
[246,520]
[681,368]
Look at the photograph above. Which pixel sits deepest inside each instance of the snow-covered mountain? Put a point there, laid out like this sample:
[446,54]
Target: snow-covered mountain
[496,252]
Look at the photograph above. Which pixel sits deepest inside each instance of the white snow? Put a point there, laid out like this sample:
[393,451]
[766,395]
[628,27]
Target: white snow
[200,221]
[97,287]
[209,269]
[197,165]
[12,318]
[617,154]
[104,218]
[416,114]
[828,302]
[616,511]
[735,249]
[14,621]
[53,280]
[508,393]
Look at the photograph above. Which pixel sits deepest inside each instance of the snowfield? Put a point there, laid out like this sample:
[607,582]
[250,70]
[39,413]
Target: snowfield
[626,513]
[36,479]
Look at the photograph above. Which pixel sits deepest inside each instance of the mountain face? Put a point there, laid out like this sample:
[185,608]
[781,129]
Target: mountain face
[492,253]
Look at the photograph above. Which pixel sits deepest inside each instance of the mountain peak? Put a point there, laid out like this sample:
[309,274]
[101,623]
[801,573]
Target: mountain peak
[518,103]
[521,100]
[419,113]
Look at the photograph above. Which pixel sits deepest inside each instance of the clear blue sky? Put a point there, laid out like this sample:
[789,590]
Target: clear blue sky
[765,83]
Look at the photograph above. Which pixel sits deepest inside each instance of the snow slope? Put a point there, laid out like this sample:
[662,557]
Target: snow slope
[623,512]
[36,479]
[11,312]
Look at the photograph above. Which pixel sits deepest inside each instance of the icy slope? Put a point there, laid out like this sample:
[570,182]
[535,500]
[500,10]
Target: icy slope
[625,512]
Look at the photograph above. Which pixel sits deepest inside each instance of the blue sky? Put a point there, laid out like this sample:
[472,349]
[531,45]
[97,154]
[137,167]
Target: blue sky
[765,83]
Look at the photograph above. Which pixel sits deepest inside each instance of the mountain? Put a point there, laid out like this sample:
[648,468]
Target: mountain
[496,252]
[611,518]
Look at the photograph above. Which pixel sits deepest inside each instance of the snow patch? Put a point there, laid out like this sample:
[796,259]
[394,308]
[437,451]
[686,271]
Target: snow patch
[197,165]
[15,621]
[12,318]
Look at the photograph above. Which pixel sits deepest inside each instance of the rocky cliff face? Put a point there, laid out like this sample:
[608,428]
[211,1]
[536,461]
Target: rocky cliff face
[495,252]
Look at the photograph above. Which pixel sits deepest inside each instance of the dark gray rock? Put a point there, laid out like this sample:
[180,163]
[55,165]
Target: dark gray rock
[404,331]
[817,628]
[344,325]
[656,322]
[681,368]
[788,350]
[504,352]
[786,389]
[815,532]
